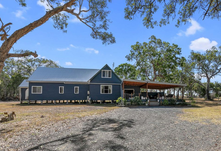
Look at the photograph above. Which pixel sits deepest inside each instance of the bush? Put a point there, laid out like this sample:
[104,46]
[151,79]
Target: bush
[183,104]
[172,102]
[136,100]
[121,101]
[165,102]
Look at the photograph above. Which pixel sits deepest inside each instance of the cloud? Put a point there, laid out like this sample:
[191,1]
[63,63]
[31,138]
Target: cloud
[63,49]
[44,4]
[195,26]
[202,44]
[38,43]
[90,50]
[68,64]
[19,14]
[73,46]
[1,6]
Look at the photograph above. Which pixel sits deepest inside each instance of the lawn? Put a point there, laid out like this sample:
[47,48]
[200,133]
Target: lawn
[203,112]
[32,116]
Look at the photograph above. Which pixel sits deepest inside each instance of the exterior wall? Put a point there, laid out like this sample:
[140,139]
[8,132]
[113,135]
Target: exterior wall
[136,88]
[50,91]
[99,79]
[96,95]
[23,93]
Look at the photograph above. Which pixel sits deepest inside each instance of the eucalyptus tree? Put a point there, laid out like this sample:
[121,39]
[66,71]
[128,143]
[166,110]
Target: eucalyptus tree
[181,10]
[156,60]
[60,11]
[16,70]
[207,65]
[126,71]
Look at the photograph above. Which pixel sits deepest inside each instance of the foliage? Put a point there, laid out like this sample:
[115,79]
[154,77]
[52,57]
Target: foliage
[181,10]
[16,70]
[155,60]
[165,102]
[207,65]
[121,100]
[136,100]
[183,103]
[172,102]
[126,71]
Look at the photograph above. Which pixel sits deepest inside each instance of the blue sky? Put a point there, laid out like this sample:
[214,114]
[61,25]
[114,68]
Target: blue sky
[76,48]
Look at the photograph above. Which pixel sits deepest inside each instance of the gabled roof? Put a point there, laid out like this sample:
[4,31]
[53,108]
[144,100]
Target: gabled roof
[24,84]
[106,65]
[45,74]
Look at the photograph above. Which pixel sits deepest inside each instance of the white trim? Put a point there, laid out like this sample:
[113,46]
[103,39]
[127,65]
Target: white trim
[20,94]
[59,89]
[107,83]
[65,82]
[78,89]
[106,93]
[106,71]
[36,93]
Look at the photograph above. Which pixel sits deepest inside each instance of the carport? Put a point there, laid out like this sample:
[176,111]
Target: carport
[135,84]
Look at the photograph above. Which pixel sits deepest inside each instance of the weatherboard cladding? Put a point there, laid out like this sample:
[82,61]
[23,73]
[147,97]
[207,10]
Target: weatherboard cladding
[98,79]
[44,74]
[23,93]
[50,91]
[95,92]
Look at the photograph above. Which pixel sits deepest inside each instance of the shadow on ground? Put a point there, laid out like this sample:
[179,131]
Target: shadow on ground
[97,134]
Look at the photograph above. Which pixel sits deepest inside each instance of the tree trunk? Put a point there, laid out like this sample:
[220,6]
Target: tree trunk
[8,43]
[207,89]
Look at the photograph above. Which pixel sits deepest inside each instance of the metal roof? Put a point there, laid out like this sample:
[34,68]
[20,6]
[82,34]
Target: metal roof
[45,74]
[24,84]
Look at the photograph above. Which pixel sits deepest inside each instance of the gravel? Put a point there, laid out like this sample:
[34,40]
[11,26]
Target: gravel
[142,128]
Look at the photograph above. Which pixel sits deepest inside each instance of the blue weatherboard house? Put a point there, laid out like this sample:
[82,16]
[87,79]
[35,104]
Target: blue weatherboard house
[71,84]
[88,85]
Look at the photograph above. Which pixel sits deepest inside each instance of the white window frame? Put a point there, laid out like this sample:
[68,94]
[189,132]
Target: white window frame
[59,89]
[78,89]
[106,73]
[106,85]
[37,92]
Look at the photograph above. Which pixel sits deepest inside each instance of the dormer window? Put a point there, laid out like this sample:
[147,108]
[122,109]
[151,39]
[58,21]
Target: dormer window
[106,74]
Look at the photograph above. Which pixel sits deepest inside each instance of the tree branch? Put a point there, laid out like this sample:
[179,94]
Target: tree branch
[34,54]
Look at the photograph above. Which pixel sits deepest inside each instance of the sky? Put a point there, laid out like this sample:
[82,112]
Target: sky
[77,49]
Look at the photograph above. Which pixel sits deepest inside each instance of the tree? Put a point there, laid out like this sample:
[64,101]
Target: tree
[207,65]
[126,71]
[59,11]
[155,60]
[15,71]
[183,10]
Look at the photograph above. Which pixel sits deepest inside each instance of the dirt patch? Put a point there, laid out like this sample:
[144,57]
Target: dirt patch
[33,116]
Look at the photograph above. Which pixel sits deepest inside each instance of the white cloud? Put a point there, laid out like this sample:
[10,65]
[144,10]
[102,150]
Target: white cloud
[75,20]
[68,64]
[1,6]
[73,46]
[63,49]
[44,4]
[90,50]
[195,26]
[38,43]
[202,44]
[19,14]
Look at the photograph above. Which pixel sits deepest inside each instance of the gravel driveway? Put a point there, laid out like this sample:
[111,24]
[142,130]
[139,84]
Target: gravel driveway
[144,128]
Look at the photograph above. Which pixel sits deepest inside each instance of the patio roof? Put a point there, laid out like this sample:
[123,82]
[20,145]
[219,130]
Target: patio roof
[151,84]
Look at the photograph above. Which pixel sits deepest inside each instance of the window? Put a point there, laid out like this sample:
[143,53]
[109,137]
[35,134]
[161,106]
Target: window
[106,74]
[36,90]
[61,89]
[106,89]
[76,90]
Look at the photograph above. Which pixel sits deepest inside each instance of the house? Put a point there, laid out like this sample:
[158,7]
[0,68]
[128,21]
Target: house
[74,84]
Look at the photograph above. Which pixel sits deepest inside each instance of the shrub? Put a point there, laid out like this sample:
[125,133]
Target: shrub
[183,104]
[136,100]
[121,101]
[172,102]
[165,102]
